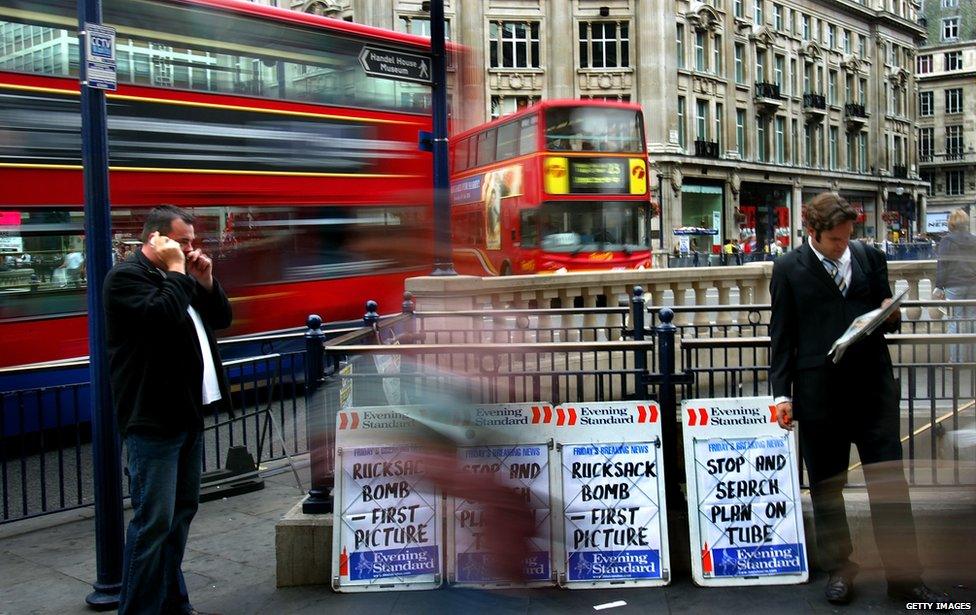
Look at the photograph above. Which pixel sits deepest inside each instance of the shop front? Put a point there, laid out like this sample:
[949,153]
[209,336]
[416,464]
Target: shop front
[764,218]
[701,208]
[864,203]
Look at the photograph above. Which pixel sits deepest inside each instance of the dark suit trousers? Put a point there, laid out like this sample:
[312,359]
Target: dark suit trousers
[826,446]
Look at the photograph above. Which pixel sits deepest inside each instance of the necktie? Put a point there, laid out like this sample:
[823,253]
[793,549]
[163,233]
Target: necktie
[834,270]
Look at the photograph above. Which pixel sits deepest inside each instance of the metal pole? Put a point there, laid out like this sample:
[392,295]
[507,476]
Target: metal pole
[318,430]
[637,311]
[668,398]
[106,451]
[443,264]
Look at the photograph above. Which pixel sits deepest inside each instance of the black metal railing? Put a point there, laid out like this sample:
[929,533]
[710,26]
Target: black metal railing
[285,401]
[955,153]
[814,101]
[706,149]
[855,110]
[767,90]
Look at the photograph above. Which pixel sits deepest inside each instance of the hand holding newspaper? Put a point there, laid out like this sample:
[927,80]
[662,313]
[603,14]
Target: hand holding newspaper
[863,326]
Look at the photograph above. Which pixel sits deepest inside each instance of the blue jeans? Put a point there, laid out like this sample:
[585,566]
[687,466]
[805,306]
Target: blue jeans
[961,321]
[164,483]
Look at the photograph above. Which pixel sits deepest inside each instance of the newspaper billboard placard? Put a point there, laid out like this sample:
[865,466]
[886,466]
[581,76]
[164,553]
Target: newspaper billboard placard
[614,522]
[743,494]
[388,511]
[513,449]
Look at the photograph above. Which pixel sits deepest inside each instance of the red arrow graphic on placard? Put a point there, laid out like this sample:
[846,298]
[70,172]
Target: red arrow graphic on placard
[772,414]
[654,414]
[536,414]
[572,416]
[641,414]
[355,420]
[548,414]
[560,416]
[343,420]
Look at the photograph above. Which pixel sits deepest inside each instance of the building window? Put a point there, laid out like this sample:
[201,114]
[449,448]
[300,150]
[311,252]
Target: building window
[950,28]
[831,36]
[758,11]
[846,41]
[778,17]
[421,26]
[849,88]
[805,25]
[862,92]
[851,146]
[718,136]
[926,104]
[953,60]
[681,121]
[954,142]
[833,147]
[794,77]
[701,120]
[680,44]
[795,141]
[514,44]
[780,140]
[953,100]
[604,44]
[955,182]
[832,87]
[810,149]
[740,132]
[926,139]
[862,48]
[740,70]
[779,67]
[862,152]
[737,8]
[950,4]
[700,51]
[924,64]
[761,65]
[503,105]
[761,138]
[717,54]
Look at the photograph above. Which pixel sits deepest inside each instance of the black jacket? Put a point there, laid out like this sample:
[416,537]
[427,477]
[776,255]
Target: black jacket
[809,313]
[154,353]
[957,261]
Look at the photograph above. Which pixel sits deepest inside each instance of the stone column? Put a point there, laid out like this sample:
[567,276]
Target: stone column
[560,49]
[701,288]
[796,214]
[469,30]
[656,71]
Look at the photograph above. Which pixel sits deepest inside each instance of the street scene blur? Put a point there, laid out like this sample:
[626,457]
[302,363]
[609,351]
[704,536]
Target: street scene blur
[522,305]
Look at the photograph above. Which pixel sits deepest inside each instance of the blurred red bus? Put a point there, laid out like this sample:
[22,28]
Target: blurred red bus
[303,171]
[561,185]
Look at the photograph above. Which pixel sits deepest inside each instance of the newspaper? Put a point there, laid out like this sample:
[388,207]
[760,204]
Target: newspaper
[863,326]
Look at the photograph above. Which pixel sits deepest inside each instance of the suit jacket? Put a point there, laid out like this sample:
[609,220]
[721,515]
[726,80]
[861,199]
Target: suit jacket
[153,348]
[808,314]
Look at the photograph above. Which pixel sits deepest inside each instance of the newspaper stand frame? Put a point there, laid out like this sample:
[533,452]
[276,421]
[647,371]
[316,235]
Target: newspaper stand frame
[402,429]
[508,427]
[741,419]
[640,425]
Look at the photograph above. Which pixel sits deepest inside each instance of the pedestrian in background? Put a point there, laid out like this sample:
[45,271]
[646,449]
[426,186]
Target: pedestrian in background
[162,306]
[955,280]
[817,291]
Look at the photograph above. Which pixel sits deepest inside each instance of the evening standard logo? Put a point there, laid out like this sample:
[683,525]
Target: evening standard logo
[478,567]
[742,415]
[606,416]
[385,420]
[412,561]
[757,561]
[590,565]
[485,417]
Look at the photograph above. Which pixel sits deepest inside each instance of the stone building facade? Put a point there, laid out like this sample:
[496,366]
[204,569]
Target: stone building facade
[946,74]
[751,106]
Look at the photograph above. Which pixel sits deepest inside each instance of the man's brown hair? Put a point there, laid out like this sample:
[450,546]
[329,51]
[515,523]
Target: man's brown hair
[826,211]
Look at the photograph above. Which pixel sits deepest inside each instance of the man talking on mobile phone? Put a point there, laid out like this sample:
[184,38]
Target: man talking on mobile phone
[162,307]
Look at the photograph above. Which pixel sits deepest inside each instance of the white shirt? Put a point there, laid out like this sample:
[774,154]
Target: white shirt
[211,389]
[845,268]
[844,263]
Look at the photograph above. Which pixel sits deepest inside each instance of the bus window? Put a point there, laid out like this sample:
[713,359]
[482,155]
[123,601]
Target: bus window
[583,225]
[507,141]
[460,156]
[530,228]
[527,135]
[599,129]
[486,147]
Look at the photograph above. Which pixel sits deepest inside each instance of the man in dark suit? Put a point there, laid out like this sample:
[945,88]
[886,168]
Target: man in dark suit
[817,291]
[162,305]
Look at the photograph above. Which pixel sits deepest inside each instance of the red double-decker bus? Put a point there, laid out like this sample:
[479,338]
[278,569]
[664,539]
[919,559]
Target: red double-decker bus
[559,186]
[302,170]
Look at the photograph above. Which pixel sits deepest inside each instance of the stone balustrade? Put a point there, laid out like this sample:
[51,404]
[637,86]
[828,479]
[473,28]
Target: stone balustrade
[743,285]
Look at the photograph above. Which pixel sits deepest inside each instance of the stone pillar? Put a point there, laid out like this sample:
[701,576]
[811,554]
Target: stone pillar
[796,214]
[724,317]
[374,13]
[656,71]
[561,53]
[701,288]
[469,30]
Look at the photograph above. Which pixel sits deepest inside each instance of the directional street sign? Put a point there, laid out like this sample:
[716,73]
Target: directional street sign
[397,65]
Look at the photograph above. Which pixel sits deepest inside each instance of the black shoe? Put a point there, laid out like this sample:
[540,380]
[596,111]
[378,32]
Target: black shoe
[840,587]
[918,592]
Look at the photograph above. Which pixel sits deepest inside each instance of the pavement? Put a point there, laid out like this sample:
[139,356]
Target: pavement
[47,565]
